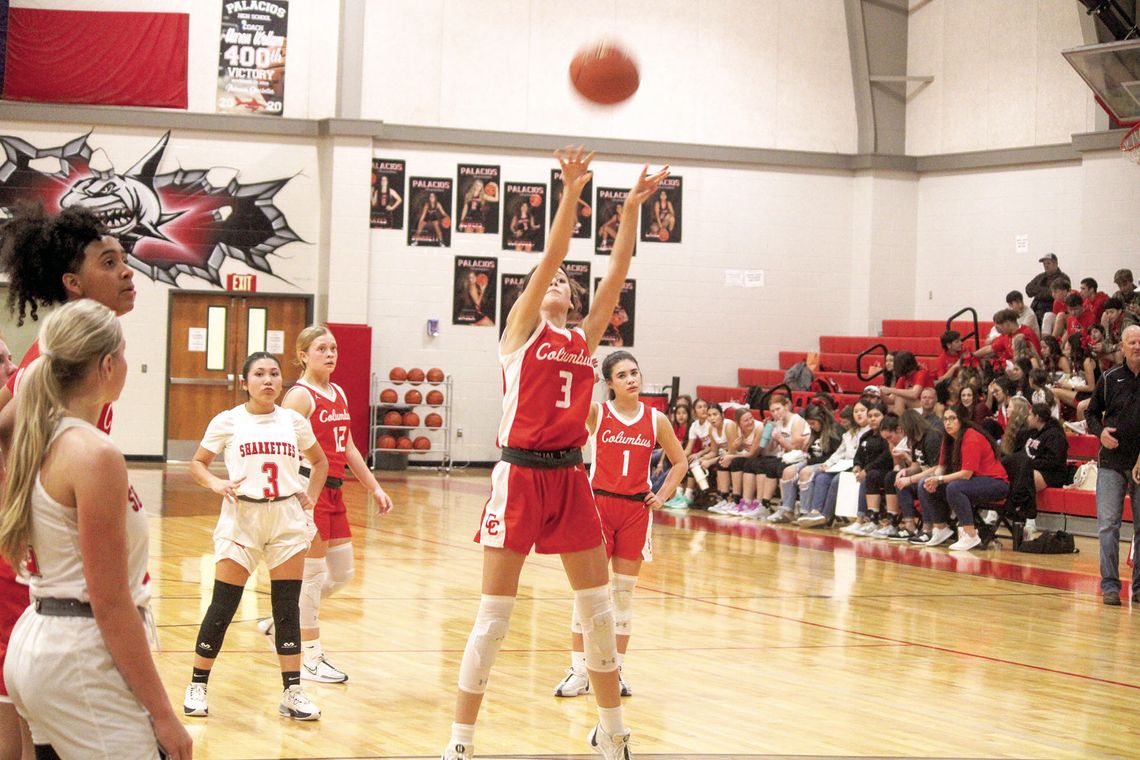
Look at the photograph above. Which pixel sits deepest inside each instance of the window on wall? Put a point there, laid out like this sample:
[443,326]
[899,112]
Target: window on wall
[216,337]
[255,332]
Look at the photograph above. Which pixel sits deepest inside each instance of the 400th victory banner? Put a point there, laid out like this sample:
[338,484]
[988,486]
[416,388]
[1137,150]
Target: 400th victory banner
[251,59]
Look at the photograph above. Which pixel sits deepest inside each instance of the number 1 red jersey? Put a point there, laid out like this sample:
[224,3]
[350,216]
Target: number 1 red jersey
[622,449]
[547,385]
[331,423]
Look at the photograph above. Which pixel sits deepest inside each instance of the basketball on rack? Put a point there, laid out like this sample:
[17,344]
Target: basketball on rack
[435,398]
[392,419]
[604,74]
[433,421]
[415,376]
[386,442]
[389,396]
[411,419]
[435,375]
[422,443]
[404,443]
[397,374]
[413,397]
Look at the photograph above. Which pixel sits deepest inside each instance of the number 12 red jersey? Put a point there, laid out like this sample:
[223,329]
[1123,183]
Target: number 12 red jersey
[331,422]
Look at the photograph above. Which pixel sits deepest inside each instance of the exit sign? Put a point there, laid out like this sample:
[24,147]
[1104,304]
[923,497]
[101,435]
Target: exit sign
[246,282]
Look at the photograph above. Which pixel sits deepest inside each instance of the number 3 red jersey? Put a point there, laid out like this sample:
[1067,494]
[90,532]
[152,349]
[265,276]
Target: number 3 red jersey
[622,449]
[547,385]
[331,422]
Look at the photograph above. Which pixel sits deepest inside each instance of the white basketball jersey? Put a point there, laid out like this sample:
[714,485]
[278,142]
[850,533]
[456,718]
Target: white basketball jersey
[265,449]
[55,563]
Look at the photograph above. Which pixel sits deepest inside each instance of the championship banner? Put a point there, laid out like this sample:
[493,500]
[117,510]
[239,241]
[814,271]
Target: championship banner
[387,194]
[523,229]
[429,211]
[585,204]
[478,211]
[251,60]
[661,214]
[619,332]
[474,302]
[610,200]
[579,274]
[510,288]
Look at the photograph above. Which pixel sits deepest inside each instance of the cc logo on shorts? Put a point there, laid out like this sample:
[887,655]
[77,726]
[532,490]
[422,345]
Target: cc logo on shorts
[491,526]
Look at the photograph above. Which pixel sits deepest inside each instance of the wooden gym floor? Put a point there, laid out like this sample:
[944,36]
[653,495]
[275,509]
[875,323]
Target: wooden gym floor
[749,641]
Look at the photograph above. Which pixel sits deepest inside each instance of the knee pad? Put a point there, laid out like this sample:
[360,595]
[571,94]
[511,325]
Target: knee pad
[285,596]
[623,586]
[312,585]
[595,611]
[212,632]
[491,625]
[341,567]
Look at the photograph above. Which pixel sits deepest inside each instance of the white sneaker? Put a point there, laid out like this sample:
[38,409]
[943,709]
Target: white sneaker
[758,512]
[194,703]
[966,542]
[295,705]
[855,528]
[989,516]
[811,520]
[1030,528]
[458,752]
[720,506]
[939,536]
[868,528]
[625,690]
[265,625]
[575,684]
[321,670]
[609,746]
[887,531]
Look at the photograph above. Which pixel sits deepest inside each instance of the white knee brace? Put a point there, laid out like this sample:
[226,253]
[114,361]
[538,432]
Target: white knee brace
[341,568]
[312,580]
[594,611]
[623,586]
[491,624]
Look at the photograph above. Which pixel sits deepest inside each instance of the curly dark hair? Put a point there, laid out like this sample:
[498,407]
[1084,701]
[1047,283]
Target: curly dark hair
[37,249]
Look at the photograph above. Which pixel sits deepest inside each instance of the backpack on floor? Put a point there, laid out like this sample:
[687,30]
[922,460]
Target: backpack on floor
[1050,542]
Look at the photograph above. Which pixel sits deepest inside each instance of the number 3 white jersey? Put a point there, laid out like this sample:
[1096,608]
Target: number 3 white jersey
[265,449]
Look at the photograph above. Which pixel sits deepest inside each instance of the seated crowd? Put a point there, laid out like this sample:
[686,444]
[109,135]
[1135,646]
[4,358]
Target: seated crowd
[932,447]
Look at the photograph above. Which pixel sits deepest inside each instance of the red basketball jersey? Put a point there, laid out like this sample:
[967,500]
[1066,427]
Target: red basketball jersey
[34,353]
[622,449]
[331,422]
[547,384]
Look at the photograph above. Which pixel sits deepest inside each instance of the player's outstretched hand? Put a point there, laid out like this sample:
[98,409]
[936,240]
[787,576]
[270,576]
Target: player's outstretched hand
[646,186]
[575,163]
[383,501]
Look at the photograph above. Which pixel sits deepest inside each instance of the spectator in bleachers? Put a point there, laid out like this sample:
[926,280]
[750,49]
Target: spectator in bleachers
[1128,295]
[1040,287]
[1093,298]
[679,417]
[1025,315]
[844,436]
[1001,349]
[1016,431]
[873,455]
[953,357]
[1112,320]
[1099,347]
[968,473]
[1079,317]
[1001,390]
[888,369]
[697,440]
[974,408]
[762,474]
[1018,372]
[825,483]
[911,379]
[730,466]
[930,408]
[1054,322]
[1082,371]
[824,440]
[1040,392]
[1042,462]
[924,444]
[721,432]
[874,492]
[1050,354]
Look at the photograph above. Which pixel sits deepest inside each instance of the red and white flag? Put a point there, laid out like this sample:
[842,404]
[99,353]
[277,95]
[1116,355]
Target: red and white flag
[104,52]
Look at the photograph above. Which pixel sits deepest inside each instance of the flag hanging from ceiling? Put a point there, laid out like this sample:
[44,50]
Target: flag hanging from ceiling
[102,52]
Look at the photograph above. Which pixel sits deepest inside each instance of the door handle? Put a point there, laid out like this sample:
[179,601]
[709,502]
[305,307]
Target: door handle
[228,382]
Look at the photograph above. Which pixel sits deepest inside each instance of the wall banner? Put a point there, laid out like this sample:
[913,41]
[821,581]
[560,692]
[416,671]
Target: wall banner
[251,59]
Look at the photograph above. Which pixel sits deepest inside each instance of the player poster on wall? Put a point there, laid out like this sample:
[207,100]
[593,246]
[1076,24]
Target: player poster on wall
[610,200]
[478,193]
[429,211]
[251,59]
[510,288]
[661,214]
[579,274]
[388,194]
[619,332]
[585,204]
[474,302]
[523,228]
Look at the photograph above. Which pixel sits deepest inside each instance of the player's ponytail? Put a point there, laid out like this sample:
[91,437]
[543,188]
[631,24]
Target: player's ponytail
[75,339]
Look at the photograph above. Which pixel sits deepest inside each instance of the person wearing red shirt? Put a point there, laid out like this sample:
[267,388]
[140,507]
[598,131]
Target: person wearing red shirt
[1002,347]
[953,357]
[908,387]
[1093,298]
[969,472]
[1055,325]
[1080,318]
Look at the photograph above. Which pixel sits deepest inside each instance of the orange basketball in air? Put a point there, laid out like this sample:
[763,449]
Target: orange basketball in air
[411,419]
[413,397]
[393,418]
[435,375]
[404,443]
[415,376]
[604,74]
[433,421]
[397,374]
[435,398]
[422,443]
[389,396]
[385,442]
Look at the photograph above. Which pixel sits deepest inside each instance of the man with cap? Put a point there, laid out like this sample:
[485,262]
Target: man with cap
[1039,288]
[1129,296]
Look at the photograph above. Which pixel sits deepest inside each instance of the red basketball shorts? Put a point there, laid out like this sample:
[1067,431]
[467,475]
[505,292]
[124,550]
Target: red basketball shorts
[549,510]
[331,516]
[627,528]
[13,601]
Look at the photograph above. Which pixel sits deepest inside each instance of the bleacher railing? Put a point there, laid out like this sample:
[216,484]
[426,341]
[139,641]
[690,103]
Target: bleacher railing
[879,348]
[974,318]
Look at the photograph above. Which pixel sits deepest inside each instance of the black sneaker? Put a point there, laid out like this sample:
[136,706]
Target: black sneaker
[919,539]
[904,534]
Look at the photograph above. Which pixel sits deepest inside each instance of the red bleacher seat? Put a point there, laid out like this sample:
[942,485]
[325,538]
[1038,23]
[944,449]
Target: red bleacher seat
[715,394]
[1083,446]
[1070,501]
[765,378]
[789,358]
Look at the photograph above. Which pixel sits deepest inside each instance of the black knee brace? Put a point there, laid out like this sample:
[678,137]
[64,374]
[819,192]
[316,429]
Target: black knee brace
[285,597]
[221,611]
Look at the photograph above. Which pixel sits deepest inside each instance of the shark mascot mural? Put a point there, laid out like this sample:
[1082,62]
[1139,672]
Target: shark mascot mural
[177,223]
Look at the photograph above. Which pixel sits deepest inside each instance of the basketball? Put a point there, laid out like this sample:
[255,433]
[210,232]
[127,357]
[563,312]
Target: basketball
[389,396]
[435,398]
[481,280]
[385,442]
[604,74]
[536,200]
[587,211]
[393,418]
[415,376]
[422,443]
[433,421]
[491,191]
[404,443]
[413,397]
[663,236]
[397,374]
[435,375]
[446,224]
[411,419]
